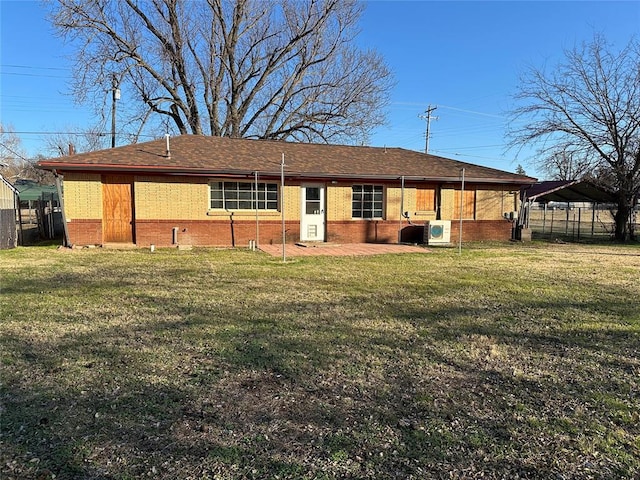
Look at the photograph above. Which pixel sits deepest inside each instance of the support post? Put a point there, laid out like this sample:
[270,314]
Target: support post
[579,221]
[257,200]
[461,214]
[66,240]
[401,208]
[284,233]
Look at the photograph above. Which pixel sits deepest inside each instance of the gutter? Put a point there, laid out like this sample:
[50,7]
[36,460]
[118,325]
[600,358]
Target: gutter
[201,172]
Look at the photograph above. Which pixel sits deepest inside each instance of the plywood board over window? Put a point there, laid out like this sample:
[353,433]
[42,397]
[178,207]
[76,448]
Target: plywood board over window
[468,204]
[425,199]
[117,207]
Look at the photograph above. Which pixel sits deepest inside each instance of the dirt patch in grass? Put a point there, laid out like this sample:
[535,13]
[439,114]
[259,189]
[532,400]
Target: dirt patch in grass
[506,362]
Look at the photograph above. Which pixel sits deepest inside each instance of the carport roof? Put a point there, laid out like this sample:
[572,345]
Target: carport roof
[33,191]
[567,191]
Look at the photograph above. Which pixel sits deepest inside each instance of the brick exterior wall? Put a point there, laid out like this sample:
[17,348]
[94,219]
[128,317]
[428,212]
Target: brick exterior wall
[481,230]
[85,232]
[165,203]
[239,232]
[362,231]
[212,232]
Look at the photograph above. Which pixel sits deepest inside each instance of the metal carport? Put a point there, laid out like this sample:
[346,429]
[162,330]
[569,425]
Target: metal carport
[563,191]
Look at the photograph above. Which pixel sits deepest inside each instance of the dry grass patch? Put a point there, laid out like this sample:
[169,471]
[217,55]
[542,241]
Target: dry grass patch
[507,362]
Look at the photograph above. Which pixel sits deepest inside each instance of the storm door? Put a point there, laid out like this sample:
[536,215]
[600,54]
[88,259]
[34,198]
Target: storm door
[312,218]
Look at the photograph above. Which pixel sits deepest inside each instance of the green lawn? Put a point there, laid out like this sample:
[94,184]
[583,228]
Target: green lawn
[509,361]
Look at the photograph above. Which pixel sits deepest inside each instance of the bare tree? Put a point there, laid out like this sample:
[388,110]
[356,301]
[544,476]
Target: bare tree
[76,141]
[566,165]
[14,164]
[277,69]
[588,108]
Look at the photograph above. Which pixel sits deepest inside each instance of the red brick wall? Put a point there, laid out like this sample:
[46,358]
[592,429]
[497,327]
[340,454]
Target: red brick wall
[480,230]
[238,233]
[379,231]
[213,232]
[85,232]
[363,231]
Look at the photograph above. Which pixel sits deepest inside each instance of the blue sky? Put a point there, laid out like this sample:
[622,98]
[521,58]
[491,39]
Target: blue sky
[466,58]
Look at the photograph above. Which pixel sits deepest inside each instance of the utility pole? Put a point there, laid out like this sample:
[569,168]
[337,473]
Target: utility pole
[428,119]
[115,95]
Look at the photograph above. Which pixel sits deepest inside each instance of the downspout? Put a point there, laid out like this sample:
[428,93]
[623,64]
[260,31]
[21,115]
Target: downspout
[66,240]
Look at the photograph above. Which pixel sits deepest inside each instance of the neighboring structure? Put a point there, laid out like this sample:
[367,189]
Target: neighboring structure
[39,205]
[8,214]
[565,191]
[31,191]
[569,209]
[201,190]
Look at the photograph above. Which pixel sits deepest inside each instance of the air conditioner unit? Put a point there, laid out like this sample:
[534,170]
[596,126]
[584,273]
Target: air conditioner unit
[437,232]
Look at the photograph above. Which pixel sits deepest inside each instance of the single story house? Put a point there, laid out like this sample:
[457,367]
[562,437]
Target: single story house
[212,191]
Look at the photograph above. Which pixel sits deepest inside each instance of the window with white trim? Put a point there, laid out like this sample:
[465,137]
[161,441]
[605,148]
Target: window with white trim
[243,196]
[366,201]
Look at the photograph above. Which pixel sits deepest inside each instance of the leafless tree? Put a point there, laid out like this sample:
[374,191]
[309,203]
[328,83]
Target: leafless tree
[276,69]
[566,165]
[76,141]
[588,108]
[14,164]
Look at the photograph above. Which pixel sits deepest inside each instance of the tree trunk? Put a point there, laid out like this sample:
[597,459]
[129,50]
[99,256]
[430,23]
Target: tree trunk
[622,218]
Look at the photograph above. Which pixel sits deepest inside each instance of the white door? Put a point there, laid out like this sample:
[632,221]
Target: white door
[312,216]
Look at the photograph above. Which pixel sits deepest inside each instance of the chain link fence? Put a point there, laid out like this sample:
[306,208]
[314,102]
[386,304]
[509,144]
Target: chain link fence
[575,222]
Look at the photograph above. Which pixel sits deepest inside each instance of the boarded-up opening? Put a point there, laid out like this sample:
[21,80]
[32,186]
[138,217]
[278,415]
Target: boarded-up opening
[425,199]
[117,209]
[468,205]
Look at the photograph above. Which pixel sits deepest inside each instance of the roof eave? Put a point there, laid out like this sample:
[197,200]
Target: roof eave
[202,172]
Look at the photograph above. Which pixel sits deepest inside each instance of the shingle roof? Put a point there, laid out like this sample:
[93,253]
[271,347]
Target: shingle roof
[206,155]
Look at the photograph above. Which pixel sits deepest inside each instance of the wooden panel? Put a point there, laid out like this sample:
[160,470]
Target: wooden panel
[425,199]
[117,209]
[468,207]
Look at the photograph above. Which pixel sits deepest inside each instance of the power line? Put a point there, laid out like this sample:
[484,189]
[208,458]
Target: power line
[13,151]
[478,146]
[31,75]
[58,133]
[473,112]
[32,67]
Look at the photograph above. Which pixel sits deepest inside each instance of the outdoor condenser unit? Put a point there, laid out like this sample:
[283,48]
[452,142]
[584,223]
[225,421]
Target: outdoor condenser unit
[437,232]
